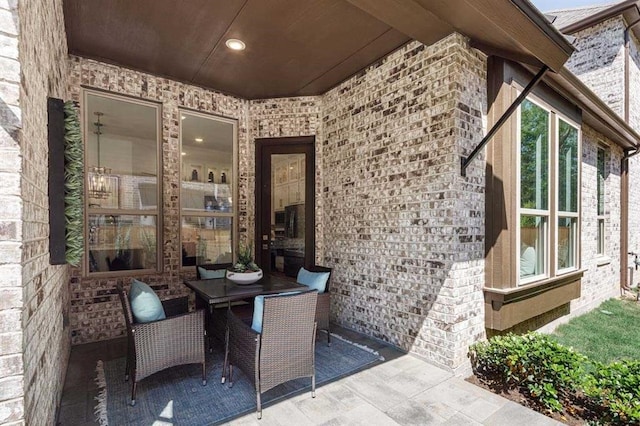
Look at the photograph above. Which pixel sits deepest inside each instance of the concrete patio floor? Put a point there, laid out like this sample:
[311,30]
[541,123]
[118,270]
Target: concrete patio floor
[403,390]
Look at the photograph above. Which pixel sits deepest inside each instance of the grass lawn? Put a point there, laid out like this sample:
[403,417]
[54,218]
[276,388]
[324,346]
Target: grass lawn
[609,333]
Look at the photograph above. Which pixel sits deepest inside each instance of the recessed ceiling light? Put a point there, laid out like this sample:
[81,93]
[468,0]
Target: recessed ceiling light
[199,139]
[235,44]
[182,117]
[183,153]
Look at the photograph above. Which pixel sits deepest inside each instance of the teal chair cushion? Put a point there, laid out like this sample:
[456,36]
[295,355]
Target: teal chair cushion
[145,303]
[313,280]
[207,274]
[258,309]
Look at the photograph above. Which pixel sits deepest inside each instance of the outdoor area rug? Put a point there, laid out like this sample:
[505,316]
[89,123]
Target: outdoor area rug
[176,396]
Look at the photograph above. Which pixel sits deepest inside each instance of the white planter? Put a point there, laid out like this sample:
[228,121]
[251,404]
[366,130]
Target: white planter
[243,278]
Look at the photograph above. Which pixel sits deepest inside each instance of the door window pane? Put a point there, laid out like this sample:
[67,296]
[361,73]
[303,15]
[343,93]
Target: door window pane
[567,167]
[533,237]
[567,241]
[534,156]
[287,213]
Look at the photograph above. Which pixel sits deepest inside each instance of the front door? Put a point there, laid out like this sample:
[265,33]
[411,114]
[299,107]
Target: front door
[285,203]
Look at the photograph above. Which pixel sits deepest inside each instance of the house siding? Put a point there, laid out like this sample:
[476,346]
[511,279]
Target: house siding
[96,312]
[402,229]
[421,108]
[599,61]
[11,293]
[601,279]
[34,298]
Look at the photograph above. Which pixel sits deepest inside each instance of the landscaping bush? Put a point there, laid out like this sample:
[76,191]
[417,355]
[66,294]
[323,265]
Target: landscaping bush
[557,378]
[540,368]
[615,390]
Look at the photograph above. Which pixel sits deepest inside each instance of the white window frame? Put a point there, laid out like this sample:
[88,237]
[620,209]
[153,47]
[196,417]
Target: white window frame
[552,214]
[561,213]
[532,212]
[601,219]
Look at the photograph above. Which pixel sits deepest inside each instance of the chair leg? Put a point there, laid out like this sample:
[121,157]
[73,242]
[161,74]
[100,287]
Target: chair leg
[133,392]
[328,335]
[226,354]
[230,375]
[259,405]
[126,370]
[204,374]
[313,385]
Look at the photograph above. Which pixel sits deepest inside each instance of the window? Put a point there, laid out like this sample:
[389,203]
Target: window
[534,190]
[208,188]
[567,247]
[122,163]
[548,214]
[600,185]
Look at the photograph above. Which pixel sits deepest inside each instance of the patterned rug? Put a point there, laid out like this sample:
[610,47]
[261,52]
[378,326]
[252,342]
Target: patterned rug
[176,396]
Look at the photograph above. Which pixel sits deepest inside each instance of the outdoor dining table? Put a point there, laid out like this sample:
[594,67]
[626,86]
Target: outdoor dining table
[211,292]
[222,290]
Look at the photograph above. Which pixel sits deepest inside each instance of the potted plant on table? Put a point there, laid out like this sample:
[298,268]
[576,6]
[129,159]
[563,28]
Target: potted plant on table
[245,270]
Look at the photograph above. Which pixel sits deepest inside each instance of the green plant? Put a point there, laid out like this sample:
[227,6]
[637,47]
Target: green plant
[245,261]
[534,363]
[73,187]
[615,389]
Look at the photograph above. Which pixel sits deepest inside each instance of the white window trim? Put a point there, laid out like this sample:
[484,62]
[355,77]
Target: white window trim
[601,245]
[550,265]
[561,213]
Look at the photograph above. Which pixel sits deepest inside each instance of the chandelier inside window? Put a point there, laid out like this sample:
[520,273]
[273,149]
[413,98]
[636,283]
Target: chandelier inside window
[98,177]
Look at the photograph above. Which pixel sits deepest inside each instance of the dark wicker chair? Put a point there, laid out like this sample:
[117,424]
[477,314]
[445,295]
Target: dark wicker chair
[323,309]
[157,345]
[284,350]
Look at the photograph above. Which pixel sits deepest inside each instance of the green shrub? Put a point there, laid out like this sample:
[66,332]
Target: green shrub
[615,390]
[534,363]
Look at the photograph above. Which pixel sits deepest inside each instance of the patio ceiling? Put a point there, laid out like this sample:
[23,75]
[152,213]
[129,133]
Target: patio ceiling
[294,47]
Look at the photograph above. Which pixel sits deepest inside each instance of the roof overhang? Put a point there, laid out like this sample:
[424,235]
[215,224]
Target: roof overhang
[295,47]
[512,29]
[629,9]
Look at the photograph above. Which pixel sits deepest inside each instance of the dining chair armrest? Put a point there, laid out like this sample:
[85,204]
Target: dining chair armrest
[176,306]
[244,346]
[172,341]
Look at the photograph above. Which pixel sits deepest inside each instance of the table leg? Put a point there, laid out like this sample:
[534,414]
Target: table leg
[225,366]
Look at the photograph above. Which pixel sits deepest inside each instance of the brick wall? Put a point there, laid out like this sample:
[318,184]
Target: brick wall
[403,231]
[399,118]
[602,278]
[599,61]
[96,312]
[34,343]
[634,162]
[11,360]
[283,117]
